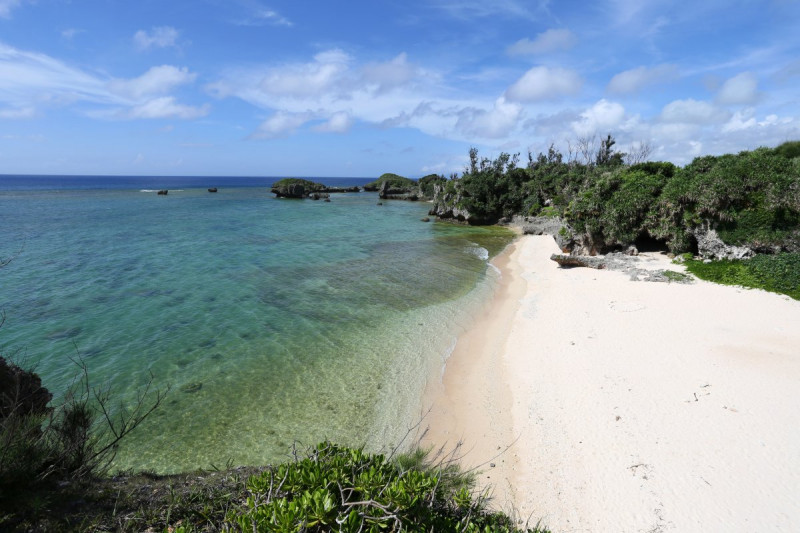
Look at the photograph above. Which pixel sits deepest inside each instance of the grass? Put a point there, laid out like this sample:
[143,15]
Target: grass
[779,273]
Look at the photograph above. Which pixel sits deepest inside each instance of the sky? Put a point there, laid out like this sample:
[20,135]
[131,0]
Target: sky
[359,88]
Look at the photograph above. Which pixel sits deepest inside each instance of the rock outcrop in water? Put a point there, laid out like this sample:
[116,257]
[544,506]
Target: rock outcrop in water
[300,188]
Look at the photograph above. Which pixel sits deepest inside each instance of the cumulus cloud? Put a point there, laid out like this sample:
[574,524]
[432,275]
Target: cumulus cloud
[741,120]
[165,107]
[549,41]
[603,116]
[157,37]
[544,83]
[307,79]
[634,80]
[495,123]
[340,122]
[281,124]
[692,111]
[741,89]
[390,74]
[156,81]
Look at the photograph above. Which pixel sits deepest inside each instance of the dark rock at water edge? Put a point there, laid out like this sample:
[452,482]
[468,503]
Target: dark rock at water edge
[212,189]
[21,392]
[163,192]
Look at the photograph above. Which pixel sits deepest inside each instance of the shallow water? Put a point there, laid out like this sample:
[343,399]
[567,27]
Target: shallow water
[273,321]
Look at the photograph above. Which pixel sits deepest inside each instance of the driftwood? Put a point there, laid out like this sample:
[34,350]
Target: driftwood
[570,261]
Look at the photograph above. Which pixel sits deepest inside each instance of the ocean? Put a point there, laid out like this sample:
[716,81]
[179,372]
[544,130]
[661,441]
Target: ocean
[273,321]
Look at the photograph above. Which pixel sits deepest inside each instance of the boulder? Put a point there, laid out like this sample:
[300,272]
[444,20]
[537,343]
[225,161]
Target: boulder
[212,189]
[710,246]
[558,228]
[570,261]
[163,192]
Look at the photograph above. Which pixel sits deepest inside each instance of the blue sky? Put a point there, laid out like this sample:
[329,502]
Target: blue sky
[274,88]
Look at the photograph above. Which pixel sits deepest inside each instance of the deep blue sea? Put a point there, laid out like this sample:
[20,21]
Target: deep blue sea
[273,321]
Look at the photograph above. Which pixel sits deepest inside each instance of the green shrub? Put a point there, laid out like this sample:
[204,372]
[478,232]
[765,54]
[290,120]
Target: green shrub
[394,180]
[348,490]
[427,183]
[775,273]
[307,184]
[789,149]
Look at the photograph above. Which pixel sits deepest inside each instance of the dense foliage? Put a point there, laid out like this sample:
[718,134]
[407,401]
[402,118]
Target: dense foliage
[343,489]
[393,180]
[751,198]
[427,184]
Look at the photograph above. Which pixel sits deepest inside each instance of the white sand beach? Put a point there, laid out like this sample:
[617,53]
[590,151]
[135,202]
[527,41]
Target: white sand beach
[628,406]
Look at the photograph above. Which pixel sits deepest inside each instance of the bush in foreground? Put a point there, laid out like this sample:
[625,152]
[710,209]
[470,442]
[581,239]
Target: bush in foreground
[343,489]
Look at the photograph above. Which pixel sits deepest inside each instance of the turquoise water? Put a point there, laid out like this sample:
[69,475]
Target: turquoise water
[273,321]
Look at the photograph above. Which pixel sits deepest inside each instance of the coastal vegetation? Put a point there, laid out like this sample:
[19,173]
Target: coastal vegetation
[733,206]
[775,273]
[54,476]
[390,180]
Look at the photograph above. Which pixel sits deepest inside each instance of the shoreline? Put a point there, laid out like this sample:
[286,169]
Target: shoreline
[627,406]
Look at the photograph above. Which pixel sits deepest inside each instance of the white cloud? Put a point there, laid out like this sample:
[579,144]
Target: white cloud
[691,111]
[6,6]
[603,116]
[495,123]
[158,37]
[259,15]
[307,79]
[340,122]
[741,89]
[30,79]
[741,120]
[17,113]
[281,124]
[156,81]
[631,81]
[390,74]
[551,40]
[544,83]
[165,107]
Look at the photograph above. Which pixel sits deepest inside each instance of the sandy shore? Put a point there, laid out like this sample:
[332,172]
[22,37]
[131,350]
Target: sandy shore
[628,406]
